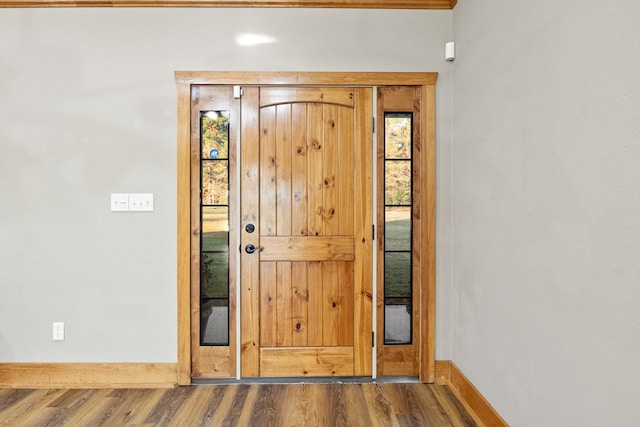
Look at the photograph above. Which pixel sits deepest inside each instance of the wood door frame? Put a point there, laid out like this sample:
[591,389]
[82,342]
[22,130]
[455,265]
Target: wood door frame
[366,4]
[184,82]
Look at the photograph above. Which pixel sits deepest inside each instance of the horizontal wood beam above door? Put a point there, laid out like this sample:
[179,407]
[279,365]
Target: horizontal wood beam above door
[284,78]
[362,4]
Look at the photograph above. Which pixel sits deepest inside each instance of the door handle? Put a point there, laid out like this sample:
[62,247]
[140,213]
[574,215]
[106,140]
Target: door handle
[251,249]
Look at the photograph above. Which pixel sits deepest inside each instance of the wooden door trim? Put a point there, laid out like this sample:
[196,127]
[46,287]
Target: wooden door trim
[447,373]
[284,78]
[368,4]
[428,231]
[184,81]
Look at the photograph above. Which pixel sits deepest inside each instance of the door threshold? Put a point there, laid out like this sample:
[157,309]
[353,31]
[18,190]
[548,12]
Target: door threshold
[305,380]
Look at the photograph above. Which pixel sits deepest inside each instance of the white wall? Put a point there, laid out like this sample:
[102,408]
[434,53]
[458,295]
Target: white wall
[546,208]
[88,107]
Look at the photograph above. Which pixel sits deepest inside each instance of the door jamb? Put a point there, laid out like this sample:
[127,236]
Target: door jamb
[427,81]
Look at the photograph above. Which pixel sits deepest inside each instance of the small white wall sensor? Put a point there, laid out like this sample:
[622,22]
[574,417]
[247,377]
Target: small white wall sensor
[449,51]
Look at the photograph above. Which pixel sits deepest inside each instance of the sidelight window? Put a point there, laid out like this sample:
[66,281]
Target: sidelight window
[398,204]
[214,228]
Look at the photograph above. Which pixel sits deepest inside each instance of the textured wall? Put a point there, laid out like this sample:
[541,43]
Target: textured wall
[546,201]
[88,107]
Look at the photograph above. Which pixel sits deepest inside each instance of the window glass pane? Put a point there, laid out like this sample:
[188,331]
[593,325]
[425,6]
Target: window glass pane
[214,322]
[214,275]
[397,182]
[397,323]
[215,228]
[214,299]
[397,274]
[214,134]
[215,182]
[397,135]
[397,228]
[397,301]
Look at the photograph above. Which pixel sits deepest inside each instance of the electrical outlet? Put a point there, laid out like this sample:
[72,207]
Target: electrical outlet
[58,331]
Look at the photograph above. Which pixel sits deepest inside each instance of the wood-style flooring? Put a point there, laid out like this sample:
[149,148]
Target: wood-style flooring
[405,404]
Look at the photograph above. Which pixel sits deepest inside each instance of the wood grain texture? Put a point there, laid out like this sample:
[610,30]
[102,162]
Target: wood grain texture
[442,371]
[198,93]
[184,235]
[209,361]
[284,299]
[331,308]
[279,95]
[369,4]
[344,301]
[331,187]
[305,78]
[398,360]
[312,248]
[306,361]
[87,375]
[268,300]
[380,228]
[363,212]
[428,235]
[249,202]
[249,198]
[315,148]
[234,215]
[468,395]
[315,303]
[213,361]
[403,359]
[303,132]
[245,405]
[299,304]
[473,400]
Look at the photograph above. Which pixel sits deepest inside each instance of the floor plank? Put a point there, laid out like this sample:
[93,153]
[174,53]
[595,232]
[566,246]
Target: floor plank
[382,407]
[304,404]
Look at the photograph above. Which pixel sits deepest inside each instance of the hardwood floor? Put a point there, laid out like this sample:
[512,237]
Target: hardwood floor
[406,404]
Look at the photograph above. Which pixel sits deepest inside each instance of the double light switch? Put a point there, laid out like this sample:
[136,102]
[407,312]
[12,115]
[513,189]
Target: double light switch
[133,202]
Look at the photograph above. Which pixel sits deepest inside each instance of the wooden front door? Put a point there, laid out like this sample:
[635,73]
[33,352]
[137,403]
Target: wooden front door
[302,306]
[306,236]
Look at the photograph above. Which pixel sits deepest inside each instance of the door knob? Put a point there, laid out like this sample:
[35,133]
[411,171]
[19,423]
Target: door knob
[251,249]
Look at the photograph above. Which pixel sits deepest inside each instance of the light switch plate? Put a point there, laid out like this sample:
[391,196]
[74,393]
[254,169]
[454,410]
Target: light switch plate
[119,202]
[141,202]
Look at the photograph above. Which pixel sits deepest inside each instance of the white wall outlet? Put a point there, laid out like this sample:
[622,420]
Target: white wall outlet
[141,202]
[58,331]
[119,202]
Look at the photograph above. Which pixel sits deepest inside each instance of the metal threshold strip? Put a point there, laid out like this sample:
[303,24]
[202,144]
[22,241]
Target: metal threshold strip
[305,380]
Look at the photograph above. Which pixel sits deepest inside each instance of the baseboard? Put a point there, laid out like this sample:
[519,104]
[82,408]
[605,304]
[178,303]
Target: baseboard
[483,413]
[87,375]
[164,375]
